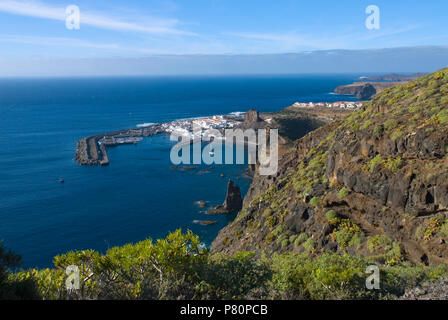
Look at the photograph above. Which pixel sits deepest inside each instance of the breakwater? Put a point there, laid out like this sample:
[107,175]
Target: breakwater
[91,151]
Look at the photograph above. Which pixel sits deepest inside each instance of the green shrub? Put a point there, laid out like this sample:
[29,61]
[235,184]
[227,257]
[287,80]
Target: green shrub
[394,255]
[347,234]
[356,240]
[271,221]
[443,116]
[301,238]
[415,109]
[378,130]
[278,230]
[308,245]
[444,230]
[270,238]
[366,124]
[396,134]
[331,215]
[315,201]
[371,165]
[342,193]
[379,243]
[390,124]
[394,164]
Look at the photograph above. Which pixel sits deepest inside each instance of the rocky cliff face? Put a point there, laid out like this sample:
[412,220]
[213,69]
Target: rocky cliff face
[374,183]
[365,90]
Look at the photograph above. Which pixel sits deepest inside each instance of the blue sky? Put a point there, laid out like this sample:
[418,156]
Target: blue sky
[142,28]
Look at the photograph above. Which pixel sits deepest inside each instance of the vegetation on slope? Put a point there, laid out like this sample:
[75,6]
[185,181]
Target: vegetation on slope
[178,268]
[382,173]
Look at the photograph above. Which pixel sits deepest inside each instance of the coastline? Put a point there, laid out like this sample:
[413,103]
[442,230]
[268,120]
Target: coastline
[91,151]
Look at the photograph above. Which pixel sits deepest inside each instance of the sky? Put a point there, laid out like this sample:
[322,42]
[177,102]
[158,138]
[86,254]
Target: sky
[35,31]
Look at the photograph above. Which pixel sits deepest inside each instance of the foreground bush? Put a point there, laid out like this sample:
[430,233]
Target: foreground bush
[179,268]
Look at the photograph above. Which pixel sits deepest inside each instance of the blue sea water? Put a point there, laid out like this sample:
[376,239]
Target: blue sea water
[138,195]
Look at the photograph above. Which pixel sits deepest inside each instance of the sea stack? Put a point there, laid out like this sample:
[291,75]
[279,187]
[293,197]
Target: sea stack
[232,203]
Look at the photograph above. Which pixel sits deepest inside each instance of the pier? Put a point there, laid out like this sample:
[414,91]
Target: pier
[91,151]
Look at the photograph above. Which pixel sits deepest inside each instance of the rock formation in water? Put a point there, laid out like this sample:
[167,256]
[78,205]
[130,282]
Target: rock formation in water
[232,203]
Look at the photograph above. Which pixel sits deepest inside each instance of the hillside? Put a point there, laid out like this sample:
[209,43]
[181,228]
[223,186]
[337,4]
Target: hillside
[394,77]
[374,183]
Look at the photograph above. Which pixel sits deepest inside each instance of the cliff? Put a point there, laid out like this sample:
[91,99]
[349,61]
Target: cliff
[364,90]
[374,183]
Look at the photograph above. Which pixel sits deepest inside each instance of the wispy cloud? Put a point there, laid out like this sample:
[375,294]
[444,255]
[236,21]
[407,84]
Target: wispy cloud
[292,40]
[387,33]
[35,9]
[55,41]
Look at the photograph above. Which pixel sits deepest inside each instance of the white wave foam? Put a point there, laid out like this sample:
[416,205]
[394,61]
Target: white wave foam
[148,124]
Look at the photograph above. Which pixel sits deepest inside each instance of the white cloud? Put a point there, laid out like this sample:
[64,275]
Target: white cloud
[294,41]
[55,41]
[291,41]
[381,34]
[44,11]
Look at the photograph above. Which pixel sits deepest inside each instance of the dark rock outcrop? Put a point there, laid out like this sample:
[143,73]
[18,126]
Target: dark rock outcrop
[232,203]
[367,91]
[252,120]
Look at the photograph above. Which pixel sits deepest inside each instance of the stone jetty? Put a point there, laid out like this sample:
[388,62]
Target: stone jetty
[91,151]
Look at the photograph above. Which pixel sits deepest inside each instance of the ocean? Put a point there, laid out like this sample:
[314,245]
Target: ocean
[139,195]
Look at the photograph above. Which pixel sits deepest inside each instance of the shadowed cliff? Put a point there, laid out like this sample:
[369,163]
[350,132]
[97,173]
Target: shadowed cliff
[374,183]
